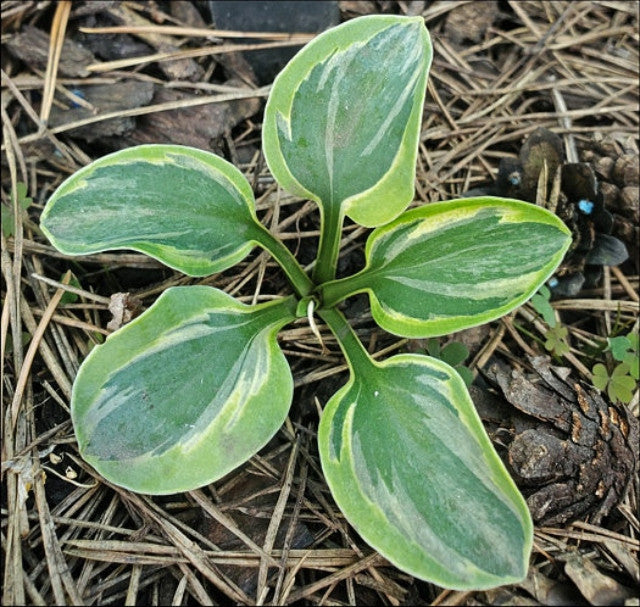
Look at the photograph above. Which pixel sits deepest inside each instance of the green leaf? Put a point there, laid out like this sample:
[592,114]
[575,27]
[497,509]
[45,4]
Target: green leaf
[24,201]
[454,353]
[343,119]
[6,216]
[632,358]
[557,340]
[633,362]
[621,384]
[411,467]
[448,266]
[600,376]
[190,209]
[619,346]
[540,301]
[24,339]
[433,347]
[68,297]
[465,373]
[185,392]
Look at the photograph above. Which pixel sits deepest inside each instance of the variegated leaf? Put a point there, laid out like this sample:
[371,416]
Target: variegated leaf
[448,266]
[184,393]
[343,118]
[190,209]
[411,467]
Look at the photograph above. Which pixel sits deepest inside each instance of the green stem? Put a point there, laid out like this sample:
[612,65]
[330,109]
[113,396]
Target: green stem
[297,276]
[330,233]
[350,344]
[280,311]
[334,291]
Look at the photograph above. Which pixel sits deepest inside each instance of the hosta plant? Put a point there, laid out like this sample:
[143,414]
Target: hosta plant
[197,384]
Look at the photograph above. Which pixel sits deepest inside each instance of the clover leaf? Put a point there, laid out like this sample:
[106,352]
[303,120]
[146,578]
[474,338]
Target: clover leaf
[557,340]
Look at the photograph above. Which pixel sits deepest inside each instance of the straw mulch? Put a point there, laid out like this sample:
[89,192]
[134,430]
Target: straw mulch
[269,533]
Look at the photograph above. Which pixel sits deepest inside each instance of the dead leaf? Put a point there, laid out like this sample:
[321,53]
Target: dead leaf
[123,308]
[595,586]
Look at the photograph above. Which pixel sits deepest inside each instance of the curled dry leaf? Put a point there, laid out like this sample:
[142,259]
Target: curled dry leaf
[123,308]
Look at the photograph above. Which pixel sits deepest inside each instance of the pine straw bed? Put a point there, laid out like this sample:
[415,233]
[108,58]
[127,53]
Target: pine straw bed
[269,532]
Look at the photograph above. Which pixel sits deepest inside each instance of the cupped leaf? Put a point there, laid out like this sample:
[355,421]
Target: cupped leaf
[190,209]
[448,266]
[184,393]
[343,118]
[411,467]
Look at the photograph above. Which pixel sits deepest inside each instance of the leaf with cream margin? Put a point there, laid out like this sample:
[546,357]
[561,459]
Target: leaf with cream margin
[187,208]
[343,118]
[412,469]
[184,393]
[452,265]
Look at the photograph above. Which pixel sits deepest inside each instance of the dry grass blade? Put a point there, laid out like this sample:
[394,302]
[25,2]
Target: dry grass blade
[281,588]
[343,574]
[31,352]
[597,304]
[48,356]
[147,553]
[67,288]
[58,30]
[215,512]
[193,32]
[150,109]
[61,580]
[134,582]
[274,523]
[191,53]
[195,555]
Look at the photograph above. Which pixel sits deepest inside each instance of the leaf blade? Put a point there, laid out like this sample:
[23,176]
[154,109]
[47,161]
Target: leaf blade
[342,120]
[448,266]
[383,434]
[190,209]
[184,393]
